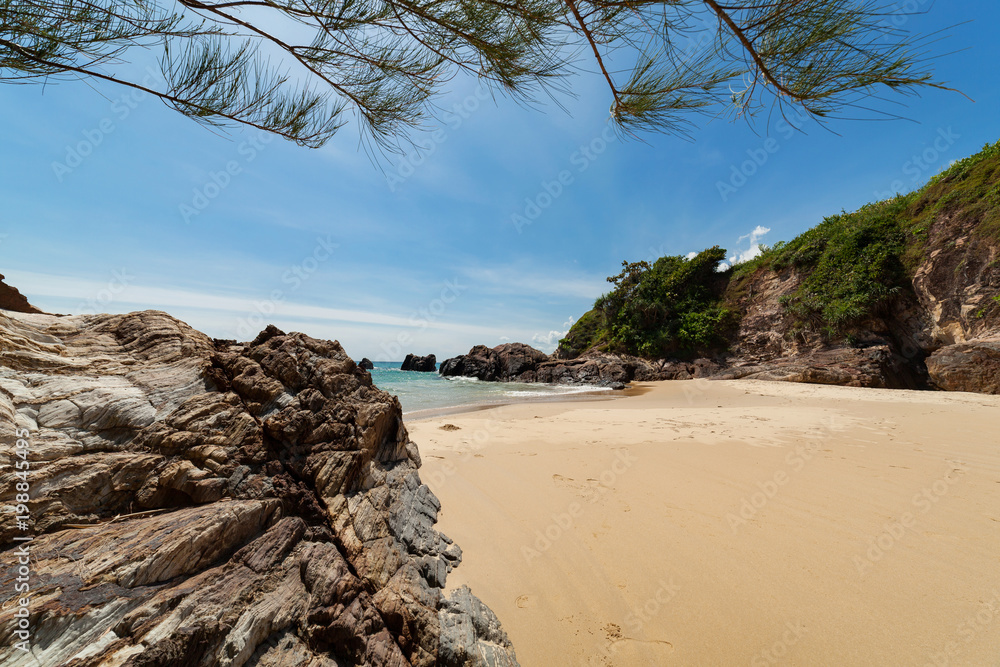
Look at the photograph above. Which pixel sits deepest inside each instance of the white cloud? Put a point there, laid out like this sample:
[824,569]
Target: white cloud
[504,339]
[225,312]
[692,255]
[755,237]
[546,342]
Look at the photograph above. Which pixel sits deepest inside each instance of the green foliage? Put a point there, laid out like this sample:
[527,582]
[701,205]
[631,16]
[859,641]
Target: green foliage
[849,268]
[854,264]
[585,333]
[969,188]
[297,67]
[670,308]
[851,264]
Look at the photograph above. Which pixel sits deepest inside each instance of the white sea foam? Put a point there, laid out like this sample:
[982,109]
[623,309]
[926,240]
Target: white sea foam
[429,391]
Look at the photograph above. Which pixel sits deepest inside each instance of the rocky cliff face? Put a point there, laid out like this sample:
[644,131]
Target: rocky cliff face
[199,502]
[958,289]
[943,332]
[767,345]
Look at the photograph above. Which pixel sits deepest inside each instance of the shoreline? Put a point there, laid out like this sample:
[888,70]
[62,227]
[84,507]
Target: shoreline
[728,522]
[588,396]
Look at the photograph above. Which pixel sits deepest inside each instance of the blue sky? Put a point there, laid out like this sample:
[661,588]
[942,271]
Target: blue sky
[113,204]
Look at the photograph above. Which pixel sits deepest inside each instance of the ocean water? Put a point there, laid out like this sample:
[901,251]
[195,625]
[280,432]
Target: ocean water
[418,392]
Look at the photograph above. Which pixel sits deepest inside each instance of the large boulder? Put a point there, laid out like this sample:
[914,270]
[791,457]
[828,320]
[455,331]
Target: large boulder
[426,364]
[481,362]
[973,366]
[503,363]
[366,364]
[199,502]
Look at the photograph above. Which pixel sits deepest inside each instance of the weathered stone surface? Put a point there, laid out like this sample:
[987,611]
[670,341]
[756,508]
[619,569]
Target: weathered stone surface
[875,367]
[366,364]
[967,367]
[426,364]
[199,502]
[517,362]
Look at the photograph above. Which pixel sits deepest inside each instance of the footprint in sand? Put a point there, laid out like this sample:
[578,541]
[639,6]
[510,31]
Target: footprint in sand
[567,481]
[581,487]
[524,602]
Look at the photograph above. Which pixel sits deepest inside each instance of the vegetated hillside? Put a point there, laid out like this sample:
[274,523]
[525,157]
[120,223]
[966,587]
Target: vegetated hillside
[901,293]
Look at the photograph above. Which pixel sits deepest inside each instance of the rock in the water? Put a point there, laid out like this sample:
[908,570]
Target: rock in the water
[517,362]
[366,364]
[426,364]
[967,367]
[200,503]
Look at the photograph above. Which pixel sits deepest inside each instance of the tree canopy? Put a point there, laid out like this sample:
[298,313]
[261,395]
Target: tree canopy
[298,68]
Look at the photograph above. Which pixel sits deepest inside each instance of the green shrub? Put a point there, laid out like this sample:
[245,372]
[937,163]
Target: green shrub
[672,307]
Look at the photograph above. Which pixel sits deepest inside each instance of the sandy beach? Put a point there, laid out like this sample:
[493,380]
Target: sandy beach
[730,523]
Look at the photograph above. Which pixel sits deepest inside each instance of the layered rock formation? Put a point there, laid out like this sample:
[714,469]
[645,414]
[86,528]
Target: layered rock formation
[199,502]
[426,364]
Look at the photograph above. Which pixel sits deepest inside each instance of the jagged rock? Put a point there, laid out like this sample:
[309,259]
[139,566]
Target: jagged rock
[481,362]
[967,367]
[11,299]
[366,364]
[517,362]
[426,364]
[199,502]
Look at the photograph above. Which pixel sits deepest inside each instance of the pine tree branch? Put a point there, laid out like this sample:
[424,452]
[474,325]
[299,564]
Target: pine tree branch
[163,96]
[748,45]
[597,53]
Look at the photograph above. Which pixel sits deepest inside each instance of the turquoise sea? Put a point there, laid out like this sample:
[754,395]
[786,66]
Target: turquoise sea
[420,392]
